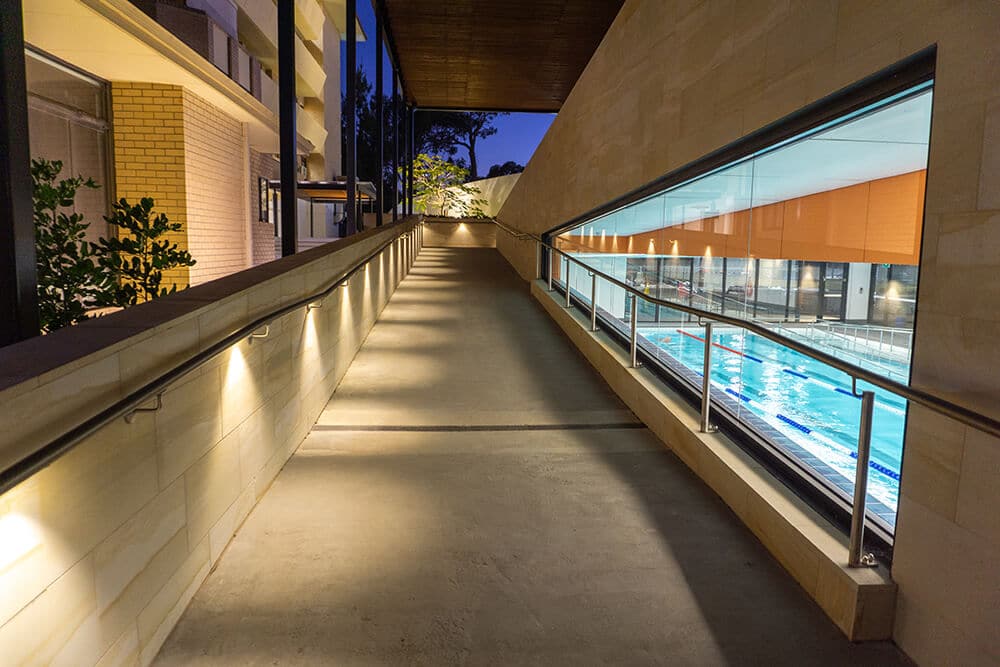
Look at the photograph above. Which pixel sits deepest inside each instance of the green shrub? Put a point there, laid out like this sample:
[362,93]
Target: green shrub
[75,275]
[70,280]
[139,254]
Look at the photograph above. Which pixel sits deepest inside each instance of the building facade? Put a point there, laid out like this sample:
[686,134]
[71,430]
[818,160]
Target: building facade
[178,101]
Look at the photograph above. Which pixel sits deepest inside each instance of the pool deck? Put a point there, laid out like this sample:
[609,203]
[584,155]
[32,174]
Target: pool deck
[475,494]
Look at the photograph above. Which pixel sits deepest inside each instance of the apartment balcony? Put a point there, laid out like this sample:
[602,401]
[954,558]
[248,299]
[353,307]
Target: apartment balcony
[209,39]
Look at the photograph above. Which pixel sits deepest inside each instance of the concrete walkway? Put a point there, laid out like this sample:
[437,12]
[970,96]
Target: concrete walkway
[474,494]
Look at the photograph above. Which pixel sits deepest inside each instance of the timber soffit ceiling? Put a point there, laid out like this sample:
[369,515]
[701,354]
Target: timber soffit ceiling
[512,55]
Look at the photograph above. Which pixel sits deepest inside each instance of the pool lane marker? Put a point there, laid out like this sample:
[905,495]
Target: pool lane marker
[745,399]
[827,385]
[794,424]
[888,472]
[721,346]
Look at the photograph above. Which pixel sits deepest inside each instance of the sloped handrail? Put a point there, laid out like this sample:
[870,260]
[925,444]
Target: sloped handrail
[153,390]
[921,397]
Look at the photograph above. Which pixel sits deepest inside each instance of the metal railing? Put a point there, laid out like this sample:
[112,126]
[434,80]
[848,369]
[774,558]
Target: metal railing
[857,557]
[153,391]
[894,343]
[874,356]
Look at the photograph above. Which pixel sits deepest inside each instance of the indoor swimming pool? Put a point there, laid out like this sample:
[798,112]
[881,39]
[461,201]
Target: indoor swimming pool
[807,401]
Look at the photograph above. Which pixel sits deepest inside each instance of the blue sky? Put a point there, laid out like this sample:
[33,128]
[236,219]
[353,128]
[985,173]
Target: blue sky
[517,135]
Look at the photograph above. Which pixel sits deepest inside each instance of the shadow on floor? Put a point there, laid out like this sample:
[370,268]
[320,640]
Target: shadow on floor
[587,546]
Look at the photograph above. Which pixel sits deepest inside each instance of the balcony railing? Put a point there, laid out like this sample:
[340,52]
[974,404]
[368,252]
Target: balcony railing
[210,40]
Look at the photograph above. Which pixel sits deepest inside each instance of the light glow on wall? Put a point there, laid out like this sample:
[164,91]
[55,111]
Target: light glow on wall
[236,370]
[18,537]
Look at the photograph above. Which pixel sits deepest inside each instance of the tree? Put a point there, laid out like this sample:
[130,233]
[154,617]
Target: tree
[440,133]
[367,142]
[440,184]
[506,169]
[138,255]
[434,134]
[69,278]
[448,129]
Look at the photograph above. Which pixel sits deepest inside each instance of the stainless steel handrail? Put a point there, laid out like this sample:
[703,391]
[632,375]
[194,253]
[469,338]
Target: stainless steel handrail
[856,557]
[919,396]
[31,464]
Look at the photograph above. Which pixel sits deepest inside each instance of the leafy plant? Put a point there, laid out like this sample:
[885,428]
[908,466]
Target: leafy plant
[139,254]
[70,280]
[440,184]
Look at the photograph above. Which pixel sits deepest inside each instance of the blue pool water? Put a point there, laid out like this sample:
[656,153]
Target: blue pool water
[807,401]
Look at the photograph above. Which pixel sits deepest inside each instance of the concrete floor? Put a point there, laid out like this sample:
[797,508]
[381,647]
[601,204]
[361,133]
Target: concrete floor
[474,494]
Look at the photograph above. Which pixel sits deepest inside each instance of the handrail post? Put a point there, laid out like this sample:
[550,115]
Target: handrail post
[569,304]
[855,556]
[593,302]
[634,342]
[538,260]
[552,266]
[706,383]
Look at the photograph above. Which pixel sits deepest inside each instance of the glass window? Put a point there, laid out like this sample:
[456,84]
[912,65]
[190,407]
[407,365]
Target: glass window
[819,237]
[894,295]
[67,121]
[770,297]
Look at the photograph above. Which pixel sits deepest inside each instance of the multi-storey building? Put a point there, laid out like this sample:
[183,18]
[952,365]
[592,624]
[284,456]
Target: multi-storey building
[177,100]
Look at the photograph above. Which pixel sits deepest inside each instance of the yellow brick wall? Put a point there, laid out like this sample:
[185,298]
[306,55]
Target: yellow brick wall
[190,157]
[148,122]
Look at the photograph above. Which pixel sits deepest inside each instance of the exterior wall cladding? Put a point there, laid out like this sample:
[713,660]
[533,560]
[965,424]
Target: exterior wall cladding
[673,81]
[148,123]
[194,161]
[262,165]
[215,171]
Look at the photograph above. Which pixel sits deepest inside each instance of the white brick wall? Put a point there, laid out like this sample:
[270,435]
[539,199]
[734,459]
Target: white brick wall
[215,160]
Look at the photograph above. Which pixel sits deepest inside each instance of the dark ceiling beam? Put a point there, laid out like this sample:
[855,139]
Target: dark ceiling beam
[518,55]
[379,7]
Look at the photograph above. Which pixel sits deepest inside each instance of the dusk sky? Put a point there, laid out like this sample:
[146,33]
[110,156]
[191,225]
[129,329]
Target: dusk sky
[518,134]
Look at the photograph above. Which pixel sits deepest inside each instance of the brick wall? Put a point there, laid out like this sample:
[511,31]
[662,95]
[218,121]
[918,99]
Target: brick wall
[148,121]
[261,165]
[191,158]
[215,157]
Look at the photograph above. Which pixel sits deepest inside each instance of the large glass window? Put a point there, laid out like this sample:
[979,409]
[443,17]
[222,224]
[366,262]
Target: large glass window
[68,121]
[819,238]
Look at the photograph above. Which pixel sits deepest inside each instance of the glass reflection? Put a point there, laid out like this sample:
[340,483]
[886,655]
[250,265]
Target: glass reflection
[819,238]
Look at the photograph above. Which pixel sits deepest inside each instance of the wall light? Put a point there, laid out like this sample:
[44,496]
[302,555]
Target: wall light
[314,305]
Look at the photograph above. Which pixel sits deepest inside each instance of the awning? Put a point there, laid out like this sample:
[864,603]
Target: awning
[328,191]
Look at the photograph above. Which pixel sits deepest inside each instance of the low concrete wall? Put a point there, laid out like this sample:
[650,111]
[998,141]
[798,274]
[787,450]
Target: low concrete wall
[860,601]
[493,191]
[442,232]
[101,551]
